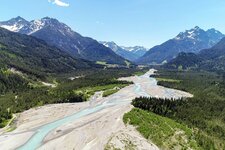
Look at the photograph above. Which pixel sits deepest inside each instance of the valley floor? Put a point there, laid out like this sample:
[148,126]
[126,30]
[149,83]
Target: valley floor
[97,124]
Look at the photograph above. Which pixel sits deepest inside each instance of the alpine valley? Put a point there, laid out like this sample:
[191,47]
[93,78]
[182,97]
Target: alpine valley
[60,90]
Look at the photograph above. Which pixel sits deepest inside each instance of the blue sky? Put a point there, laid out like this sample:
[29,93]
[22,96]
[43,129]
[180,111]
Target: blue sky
[127,22]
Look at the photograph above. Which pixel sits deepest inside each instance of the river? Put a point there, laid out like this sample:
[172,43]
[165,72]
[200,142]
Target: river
[143,86]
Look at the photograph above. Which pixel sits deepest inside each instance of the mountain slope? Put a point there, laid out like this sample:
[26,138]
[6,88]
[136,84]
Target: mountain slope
[34,56]
[184,61]
[207,59]
[214,58]
[192,41]
[62,36]
[214,52]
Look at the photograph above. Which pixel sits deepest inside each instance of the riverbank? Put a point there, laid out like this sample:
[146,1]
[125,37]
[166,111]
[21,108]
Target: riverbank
[89,125]
[34,118]
[205,111]
[8,127]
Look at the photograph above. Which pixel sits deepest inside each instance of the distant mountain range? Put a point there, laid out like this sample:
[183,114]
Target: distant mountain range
[34,56]
[212,59]
[62,36]
[139,51]
[186,45]
[130,53]
[192,40]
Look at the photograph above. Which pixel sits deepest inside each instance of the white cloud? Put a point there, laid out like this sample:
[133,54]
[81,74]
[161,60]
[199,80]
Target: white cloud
[59,3]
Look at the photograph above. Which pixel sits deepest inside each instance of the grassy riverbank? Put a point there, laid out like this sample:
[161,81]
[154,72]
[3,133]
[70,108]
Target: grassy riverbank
[203,114]
[108,89]
[164,132]
[205,111]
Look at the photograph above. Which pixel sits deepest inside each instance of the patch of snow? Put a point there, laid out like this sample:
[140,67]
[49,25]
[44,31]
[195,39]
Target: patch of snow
[13,28]
[177,38]
[36,25]
[105,44]
[134,49]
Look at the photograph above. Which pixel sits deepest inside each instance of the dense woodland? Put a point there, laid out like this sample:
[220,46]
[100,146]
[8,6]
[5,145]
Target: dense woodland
[205,112]
[165,107]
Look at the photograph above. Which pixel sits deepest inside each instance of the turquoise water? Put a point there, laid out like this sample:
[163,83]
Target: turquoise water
[36,140]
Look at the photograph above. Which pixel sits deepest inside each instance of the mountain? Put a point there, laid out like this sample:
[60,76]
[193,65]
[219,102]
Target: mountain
[15,24]
[62,36]
[214,58]
[34,56]
[216,51]
[139,51]
[130,53]
[184,61]
[190,41]
[120,51]
[208,59]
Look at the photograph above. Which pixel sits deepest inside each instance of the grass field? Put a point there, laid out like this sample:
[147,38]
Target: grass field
[164,132]
[110,92]
[168,80]
[109,89]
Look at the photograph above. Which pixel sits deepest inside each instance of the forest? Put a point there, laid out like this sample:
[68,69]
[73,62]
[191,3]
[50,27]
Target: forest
[19,92]
[204,113]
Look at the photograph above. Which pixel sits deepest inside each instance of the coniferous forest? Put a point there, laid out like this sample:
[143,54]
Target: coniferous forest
[204,114]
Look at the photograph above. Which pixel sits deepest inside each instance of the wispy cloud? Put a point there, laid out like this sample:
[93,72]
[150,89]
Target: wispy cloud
[59,3]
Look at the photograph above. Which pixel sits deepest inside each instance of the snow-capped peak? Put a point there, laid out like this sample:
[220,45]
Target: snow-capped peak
[14,24]
[135,48]
[35,26]
[198,34]
[20,25]
[191,34]
[111,45]
[115,47]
